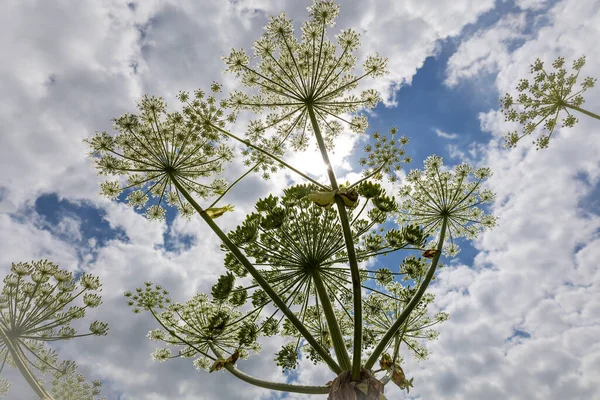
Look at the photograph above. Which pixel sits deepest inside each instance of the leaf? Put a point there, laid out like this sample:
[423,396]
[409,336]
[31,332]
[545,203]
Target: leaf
[233,358]
[216,212]
[430,253]
[220,362]
[326,199]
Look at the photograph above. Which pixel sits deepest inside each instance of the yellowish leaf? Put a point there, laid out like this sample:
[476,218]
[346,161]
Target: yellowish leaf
[322,199]
[216,212]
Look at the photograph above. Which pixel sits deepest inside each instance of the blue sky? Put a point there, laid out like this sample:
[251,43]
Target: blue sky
[527,290]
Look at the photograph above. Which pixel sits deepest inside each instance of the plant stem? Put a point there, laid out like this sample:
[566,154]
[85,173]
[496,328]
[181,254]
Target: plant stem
[581,110]
[275,158]
[259,279]
[15,354]
[356,290]
[332,324]
[411,305]
[233,184]
[367,177]
[284,387]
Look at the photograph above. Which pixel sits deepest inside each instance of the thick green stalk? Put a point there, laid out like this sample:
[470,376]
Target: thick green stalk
[259,279]
[355,276]
[411,305]
[15,354]
[284,387]
[332,324]
[581,110]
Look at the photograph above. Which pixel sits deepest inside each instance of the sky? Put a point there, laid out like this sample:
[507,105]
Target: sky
[523,299]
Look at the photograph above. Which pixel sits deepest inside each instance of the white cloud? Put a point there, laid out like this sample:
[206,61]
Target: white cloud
[445,135]
[485,50]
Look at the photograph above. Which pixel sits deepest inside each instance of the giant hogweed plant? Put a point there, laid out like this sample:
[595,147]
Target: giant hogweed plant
[301,266]
[33,312]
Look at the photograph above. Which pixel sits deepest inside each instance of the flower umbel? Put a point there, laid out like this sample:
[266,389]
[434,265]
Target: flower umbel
[198,327]
[385,155]
[302,79]
[32,312]
[544,99]
[155,147]
[435,195]
[73,386]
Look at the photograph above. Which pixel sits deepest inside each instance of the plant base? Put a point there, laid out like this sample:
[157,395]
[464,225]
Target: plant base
[367,388]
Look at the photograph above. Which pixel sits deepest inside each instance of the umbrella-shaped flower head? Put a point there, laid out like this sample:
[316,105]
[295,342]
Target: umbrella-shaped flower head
[434,195]
[200,328]
[156,148]
[33,311]
[542,100]
[304,80]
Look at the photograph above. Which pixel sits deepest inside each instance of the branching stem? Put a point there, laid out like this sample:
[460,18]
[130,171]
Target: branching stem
[259,279]
[581,110]
[412,304]
[332,324]
[284,387]
[15,354]
[275,158]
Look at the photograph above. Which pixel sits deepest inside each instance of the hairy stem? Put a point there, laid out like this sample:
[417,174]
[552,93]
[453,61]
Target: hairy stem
[259,279]
[411,305]
[356,290]
[15,354]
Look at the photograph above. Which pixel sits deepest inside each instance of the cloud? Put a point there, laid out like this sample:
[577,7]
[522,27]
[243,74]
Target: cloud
[445,135]
[485,49]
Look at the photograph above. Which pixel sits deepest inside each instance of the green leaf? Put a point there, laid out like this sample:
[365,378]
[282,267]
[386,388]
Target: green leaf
[221,290]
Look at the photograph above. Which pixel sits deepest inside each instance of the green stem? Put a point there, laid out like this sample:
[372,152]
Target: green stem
[275,158]
[356,290]
[368,176]
[332,324]
[259,279]
[411,305]
[581,110]
[233,184]
[284,387]
[15,354]
[323,150]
